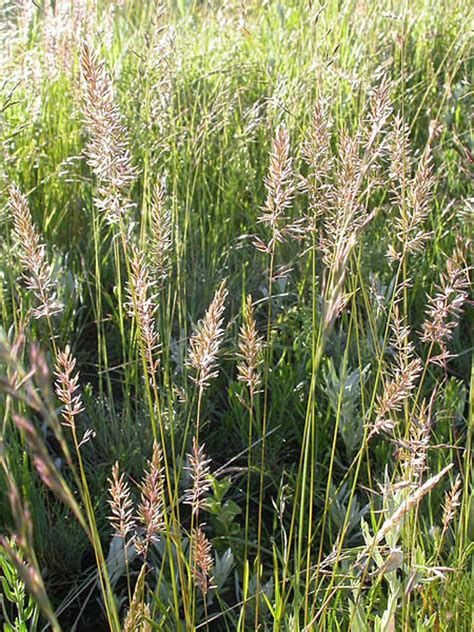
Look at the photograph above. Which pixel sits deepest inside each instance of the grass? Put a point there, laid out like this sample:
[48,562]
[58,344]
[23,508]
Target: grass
[236,323]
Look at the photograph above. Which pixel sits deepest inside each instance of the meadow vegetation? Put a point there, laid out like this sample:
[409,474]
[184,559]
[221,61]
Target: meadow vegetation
[236,380]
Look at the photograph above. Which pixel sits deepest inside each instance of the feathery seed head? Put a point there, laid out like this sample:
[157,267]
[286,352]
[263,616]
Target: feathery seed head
[452,502]
[142,307]
[37,271]
[320,160]
[200,474]
[412,196]
[107,148]
[206,340]
[380,110]
[122,517]
[446,306]
[400,154]
[250,350]
[403,379]
[67,386]
[64,24]
[203,562]
[138,617]
[152,503]
[280,186]
[413,452]
[396,392]
[162,232]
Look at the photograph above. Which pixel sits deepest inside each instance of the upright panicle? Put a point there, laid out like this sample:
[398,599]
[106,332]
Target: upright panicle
[446,306]
[152,504]
[403,378]
[452,503]
[200,474]
[206,341]
[36,269]
[122,517]
[412,195]
[161,232]
[141,306]
[107,148]
[67,386]
[250,350]
[280,185]
[202,560]
[319,157]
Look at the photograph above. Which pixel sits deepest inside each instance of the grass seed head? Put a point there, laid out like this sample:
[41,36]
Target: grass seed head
[446,306]
[162,232]
[452,503]
[250,350]
[107,148]
[67,386]
[201,476]
[206,340]
[121,504]
[152,503]
[36,270]
[142,307]
[280,185]
[203,561]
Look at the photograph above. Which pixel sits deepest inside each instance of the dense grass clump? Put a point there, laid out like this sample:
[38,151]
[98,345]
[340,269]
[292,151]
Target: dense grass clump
[236,315]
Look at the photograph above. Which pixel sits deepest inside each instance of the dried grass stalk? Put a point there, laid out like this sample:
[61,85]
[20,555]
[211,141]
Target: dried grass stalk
[408,504]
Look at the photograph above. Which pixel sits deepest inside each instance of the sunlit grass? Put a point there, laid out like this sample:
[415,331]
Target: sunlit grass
[236,353]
